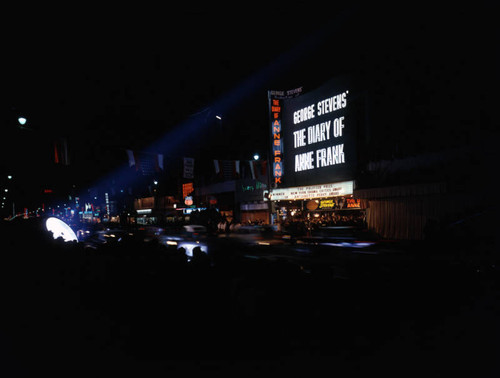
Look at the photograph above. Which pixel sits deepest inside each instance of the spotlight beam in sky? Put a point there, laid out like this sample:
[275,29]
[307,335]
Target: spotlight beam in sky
[173,142]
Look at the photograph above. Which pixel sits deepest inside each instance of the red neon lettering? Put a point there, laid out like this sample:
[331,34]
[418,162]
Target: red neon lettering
[276,102]
[277,160]
[277,142]
[277,136]
[275,109]
[277,180]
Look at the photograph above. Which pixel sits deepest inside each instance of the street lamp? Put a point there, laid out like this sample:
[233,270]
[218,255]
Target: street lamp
[22,121]
[265,160]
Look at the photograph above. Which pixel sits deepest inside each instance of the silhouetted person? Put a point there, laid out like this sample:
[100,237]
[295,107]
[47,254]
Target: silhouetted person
[200,259]
[180,256]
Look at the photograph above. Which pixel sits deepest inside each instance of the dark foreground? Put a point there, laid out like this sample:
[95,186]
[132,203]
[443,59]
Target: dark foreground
[144,311]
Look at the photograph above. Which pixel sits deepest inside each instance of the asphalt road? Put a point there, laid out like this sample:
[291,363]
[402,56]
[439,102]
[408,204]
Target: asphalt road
[67,311]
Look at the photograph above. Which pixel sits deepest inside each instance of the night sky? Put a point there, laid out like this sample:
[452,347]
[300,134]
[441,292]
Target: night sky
[123,78]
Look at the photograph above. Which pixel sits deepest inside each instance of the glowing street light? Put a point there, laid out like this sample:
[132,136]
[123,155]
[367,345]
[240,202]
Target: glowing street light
[256,157]
[22,121]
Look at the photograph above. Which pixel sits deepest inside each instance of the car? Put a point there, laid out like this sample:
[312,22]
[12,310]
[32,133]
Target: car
[147,233]
[263,235]
[342,237]
[194,232]
[187,237]
[105,237]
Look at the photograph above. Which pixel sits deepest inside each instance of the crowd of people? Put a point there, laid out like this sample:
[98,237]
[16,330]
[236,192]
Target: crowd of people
[356,219]
[232,225]
[300,223]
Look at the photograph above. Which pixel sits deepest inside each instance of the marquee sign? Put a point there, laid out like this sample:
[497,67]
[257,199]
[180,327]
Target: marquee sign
[312,191]
[313,136]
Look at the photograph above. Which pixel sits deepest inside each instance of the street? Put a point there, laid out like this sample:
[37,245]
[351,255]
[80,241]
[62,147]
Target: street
[77,312]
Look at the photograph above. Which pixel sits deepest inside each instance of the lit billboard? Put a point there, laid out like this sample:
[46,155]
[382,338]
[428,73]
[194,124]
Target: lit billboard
[313,136]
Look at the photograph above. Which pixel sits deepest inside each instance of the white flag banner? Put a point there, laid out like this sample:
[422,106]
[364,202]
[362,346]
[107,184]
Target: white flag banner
[159,161]
[131,158]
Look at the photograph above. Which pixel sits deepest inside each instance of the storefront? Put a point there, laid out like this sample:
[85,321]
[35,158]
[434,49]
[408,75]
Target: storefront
[145,217]
[153,211]
[256,212]
[249,197]
[338,207]
[332,202]
[336,211]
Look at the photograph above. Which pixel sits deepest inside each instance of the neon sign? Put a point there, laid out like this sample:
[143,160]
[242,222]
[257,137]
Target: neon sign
[277,148]
[275,114]
[353,203]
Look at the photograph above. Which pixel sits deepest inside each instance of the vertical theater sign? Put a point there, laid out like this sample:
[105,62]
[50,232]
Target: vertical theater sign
[276,99]
[277,147]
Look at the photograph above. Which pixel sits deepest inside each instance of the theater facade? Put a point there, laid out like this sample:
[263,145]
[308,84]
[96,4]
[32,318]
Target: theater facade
[313,152]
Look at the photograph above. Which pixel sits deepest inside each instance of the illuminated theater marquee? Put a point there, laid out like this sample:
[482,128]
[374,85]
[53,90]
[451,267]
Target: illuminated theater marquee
[311,192]
[314,136]
[327,131]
